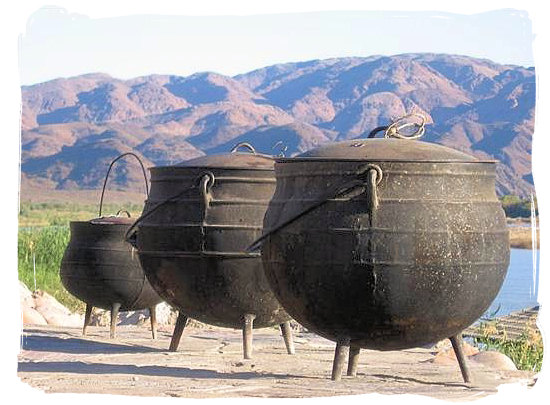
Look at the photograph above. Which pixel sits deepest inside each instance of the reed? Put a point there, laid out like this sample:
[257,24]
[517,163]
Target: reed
[40,251]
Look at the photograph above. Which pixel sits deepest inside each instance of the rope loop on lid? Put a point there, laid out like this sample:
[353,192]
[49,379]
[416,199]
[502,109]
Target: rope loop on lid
[397,127]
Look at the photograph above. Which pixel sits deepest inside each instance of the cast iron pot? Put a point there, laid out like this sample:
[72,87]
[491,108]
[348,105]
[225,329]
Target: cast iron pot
[100,268]
[385,244]
[191,239]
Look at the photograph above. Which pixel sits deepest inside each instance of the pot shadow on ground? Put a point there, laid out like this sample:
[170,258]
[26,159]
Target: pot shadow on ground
[78,367]
[80,346]
[417,381]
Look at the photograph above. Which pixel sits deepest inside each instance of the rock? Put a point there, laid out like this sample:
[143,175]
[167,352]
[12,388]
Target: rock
[447,355]
[29,314]
[133,317]
[166,315]
[55,313]
[100,317]
[494,359]
[25,296]
[43,300]
[63,319]
[32,317]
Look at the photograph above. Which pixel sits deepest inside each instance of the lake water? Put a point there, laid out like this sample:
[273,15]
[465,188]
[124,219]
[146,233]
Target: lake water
[520,288]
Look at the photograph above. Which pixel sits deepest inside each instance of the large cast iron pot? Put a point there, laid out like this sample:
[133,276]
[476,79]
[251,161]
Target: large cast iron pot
[191,239]
[385,243]
[101,269]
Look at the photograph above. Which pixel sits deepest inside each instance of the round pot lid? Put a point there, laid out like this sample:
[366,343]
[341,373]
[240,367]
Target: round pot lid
[383,150]
[242,156]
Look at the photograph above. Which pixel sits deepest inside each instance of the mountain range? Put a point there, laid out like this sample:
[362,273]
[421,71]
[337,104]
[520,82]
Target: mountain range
[72,128]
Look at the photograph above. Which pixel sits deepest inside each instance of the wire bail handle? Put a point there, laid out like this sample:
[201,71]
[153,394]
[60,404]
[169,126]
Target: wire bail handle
[107,177]
[367,177]
[243,145]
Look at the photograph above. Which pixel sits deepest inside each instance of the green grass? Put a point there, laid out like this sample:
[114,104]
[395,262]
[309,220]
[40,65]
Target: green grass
[44,234]
[46,245]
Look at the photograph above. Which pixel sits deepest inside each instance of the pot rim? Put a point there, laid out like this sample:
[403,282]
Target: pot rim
[186,168]
[351,160]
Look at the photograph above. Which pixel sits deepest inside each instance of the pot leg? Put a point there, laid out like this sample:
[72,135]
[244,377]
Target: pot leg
[114,319]
[178,331]
[287,336]
[456,341]
[248,324]
[87,318]
[153,316]
[353,360]
[340,354]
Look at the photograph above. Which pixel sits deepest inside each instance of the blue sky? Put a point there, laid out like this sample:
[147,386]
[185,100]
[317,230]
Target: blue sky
[58,43]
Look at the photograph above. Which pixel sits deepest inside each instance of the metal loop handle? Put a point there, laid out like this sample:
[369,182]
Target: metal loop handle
[243,145]
[396,127]
[109,171]
[283,148]
[206,183]
[121,211]
[364,171]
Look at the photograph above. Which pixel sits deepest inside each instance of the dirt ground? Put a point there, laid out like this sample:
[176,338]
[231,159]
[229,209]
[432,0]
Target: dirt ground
[209,364]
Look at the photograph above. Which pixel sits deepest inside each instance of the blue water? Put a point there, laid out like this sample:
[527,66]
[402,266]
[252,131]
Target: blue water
[520,287]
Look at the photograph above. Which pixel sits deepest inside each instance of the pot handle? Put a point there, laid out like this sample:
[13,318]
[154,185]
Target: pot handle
[123,211]
[395,129]
[206,182]
[109,171]
[368,177]
[283,148]
[243,145]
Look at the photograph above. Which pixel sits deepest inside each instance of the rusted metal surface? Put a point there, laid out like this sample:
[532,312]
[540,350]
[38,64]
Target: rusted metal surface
[403,243]
[192,246]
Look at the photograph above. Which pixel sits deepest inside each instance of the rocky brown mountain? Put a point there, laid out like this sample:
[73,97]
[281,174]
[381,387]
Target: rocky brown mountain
[72,128]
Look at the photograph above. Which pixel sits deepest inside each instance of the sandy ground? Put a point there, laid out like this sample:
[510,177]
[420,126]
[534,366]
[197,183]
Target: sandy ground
[209,364]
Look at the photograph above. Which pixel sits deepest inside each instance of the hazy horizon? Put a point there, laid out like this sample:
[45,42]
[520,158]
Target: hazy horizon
[282,63]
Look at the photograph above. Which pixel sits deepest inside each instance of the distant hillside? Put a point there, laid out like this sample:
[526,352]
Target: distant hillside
[73,128]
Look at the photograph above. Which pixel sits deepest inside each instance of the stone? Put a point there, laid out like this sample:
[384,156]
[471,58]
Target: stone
[25,296]
[447,355]
[166,315]
[494,359]
[54,312]
[32,317]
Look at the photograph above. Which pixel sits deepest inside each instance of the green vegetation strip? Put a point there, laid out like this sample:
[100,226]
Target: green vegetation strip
[516,207]
[60,214]
[526,351]
[40,251]
[43,237]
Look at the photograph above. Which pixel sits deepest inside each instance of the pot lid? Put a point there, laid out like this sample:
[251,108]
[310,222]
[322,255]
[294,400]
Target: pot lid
[233,160]
[384,150]
[112,220]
